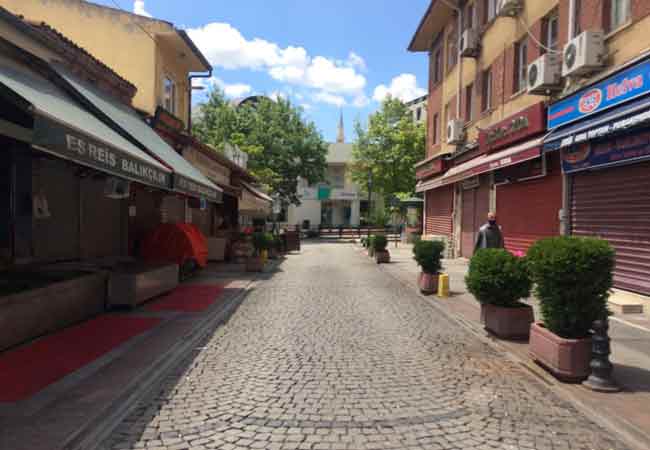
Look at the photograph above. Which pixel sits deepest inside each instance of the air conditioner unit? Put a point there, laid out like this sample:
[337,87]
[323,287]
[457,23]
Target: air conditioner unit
[455,132]
[584,54]
[469,43]
[543,74]
[509,8]
[117,188]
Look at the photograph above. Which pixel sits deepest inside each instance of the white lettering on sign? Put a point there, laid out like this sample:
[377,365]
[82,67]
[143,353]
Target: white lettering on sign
[567,141]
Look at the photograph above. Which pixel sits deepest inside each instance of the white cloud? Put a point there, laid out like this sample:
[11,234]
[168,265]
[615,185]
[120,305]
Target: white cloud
[361,101]
[234,90]
[330,99]
[404,87]
[138,8]
[227,48]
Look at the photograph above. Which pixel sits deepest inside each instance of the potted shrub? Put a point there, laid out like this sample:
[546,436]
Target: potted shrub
[573,277]
[275,247]
[428,255]
[371,246]
[261,244]
[499,280]
[380,242]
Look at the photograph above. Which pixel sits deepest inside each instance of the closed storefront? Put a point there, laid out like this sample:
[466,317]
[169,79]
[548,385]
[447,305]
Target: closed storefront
[528,209]
[439,211]
[101,216]
[202,218]
[614,204]
[173,209]
[475,205]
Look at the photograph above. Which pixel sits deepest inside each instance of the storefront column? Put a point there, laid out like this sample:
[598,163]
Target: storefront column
[355,218]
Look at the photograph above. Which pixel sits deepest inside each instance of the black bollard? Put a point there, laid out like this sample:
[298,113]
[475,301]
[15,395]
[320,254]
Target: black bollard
[601,369]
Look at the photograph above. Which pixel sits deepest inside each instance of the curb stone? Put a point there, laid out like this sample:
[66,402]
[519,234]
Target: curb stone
[628,433]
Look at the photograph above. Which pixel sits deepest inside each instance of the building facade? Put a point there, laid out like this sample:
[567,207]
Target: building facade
[335,202]
[418,108]
[513,85]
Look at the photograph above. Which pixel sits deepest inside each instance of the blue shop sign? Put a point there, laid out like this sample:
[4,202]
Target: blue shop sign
[610,152]
[620,88]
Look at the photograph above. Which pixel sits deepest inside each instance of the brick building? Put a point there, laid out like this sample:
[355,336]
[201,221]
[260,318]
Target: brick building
[514,87]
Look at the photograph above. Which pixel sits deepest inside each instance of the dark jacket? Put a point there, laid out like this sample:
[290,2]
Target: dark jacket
[489,237]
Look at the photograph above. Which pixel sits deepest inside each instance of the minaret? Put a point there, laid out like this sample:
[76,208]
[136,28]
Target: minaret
[340,138]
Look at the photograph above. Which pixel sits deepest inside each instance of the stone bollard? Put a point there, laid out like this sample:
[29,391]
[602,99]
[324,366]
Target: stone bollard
[601,369]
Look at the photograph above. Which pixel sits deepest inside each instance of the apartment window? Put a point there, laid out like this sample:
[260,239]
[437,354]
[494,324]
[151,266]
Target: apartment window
[434,134]
[452,49]
[437,66]
[620,13]
[521,65]
[469,96]
[418,114]
[489,10]
[550,28]
[486,90]
[169,95]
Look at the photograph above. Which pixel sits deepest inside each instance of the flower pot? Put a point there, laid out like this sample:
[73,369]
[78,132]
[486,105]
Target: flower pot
[428,283]
[255,264]
[382,257]
[567,359]
[508,323]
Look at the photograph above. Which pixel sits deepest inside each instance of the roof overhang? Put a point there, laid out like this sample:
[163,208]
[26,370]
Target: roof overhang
[186,49]
[437,16]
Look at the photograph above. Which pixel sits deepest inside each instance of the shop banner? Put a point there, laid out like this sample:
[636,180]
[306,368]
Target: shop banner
[69,143]
[620,150]
[620,88]
[190,187]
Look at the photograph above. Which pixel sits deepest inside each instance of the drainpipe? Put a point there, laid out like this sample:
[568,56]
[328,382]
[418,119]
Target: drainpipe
[572,12]
[208,74]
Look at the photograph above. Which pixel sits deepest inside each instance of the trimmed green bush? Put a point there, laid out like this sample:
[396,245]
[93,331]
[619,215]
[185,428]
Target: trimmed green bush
[379,243]
[428,255]
[496,277]
[573,277]
[262,241]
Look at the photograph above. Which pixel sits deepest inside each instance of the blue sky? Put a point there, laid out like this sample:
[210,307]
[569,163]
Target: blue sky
[323,55]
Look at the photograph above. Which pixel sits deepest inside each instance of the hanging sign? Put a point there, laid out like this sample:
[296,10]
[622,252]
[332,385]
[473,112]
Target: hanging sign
[620,88]
[588,155]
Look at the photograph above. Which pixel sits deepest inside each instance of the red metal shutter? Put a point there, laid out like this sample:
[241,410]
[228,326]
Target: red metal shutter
[528,211]
[440,205]
[476,205]
[614,204]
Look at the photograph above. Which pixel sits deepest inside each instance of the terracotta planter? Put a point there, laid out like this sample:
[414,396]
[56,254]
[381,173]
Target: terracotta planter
[382,257]
[567,359]
[255,264]
[428,283]
[508,323]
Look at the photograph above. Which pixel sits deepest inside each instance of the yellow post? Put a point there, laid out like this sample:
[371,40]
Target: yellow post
[443,285]
[265,256]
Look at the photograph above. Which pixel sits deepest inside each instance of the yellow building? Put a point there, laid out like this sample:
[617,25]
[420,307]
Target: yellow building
[506,79]
[152,54]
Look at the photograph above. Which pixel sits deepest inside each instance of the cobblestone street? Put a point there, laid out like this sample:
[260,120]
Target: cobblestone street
[331,353]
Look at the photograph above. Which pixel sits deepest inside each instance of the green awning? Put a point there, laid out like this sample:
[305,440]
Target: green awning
[63,128]
[187,179]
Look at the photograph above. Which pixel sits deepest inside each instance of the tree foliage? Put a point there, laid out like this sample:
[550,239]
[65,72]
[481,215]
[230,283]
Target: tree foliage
[282,145]
[387,150]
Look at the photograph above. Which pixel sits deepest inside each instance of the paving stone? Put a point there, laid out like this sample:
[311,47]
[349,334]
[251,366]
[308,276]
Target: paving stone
[331,353]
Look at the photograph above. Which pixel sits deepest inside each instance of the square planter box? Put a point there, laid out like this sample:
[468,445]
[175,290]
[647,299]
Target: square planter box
[508,323]
[428,283]
[382,257]
[567,359]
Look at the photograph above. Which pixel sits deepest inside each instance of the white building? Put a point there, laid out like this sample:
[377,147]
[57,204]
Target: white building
[418,108]
[337,200]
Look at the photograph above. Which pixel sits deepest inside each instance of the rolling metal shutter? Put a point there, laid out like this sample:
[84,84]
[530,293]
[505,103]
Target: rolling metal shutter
[528,210]
[614,204]
[440,205]
[475,206]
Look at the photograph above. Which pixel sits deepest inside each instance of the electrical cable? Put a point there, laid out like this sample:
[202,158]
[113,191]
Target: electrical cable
[134,22]
[539,44]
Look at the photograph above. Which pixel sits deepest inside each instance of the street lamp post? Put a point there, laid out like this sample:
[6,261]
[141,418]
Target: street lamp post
[369,198]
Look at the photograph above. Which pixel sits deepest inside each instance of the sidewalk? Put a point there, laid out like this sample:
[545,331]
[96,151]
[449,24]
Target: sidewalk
[626,413]
[80,409]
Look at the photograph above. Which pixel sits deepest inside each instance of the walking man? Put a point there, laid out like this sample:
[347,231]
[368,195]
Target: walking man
[489,235]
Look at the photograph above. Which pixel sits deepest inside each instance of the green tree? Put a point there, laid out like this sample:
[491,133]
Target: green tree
[282,145]
[387,150]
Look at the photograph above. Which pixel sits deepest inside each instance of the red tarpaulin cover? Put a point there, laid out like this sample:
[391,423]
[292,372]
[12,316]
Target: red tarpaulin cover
[177,242]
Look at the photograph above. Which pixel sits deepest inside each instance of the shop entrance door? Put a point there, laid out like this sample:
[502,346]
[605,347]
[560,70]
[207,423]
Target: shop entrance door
[475,206]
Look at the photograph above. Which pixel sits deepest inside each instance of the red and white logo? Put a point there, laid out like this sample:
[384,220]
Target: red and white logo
[590,101]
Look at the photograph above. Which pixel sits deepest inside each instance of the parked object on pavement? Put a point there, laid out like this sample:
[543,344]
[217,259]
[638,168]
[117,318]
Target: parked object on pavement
[428,255]
[179,243]
[371,246]
[382,255]
[499,280]
[573,277]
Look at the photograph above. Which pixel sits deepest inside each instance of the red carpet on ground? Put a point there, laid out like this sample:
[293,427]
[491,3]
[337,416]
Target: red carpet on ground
[26,370]
[188,298]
